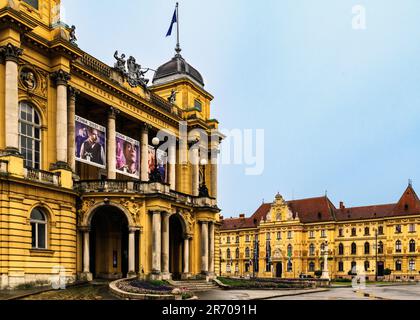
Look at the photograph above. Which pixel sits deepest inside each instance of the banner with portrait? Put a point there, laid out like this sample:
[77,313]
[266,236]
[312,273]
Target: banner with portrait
[162,162]
[90,141]
[127,156]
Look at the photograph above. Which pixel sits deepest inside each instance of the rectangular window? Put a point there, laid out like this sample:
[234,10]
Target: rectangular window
[289,235]
[340,233]
[323,234]
[341,267]
[268,236]
[247,238]
[412,228]
[32,3]
[278,235]
[398,228]
[311,234]
[198,105]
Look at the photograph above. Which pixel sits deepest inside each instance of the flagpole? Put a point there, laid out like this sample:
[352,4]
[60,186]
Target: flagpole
[178,47]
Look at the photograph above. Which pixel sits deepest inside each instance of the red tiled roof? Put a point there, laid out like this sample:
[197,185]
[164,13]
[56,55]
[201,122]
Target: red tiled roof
[247,223]
[313,210]
[322,210]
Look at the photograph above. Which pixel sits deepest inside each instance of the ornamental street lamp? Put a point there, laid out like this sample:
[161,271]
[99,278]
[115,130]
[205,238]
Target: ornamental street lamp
[155,175]
[203,190]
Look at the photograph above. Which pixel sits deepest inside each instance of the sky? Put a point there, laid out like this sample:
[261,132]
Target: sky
[339,106]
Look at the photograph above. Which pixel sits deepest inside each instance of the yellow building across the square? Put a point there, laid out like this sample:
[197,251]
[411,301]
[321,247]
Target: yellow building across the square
[291,239]
[102,174]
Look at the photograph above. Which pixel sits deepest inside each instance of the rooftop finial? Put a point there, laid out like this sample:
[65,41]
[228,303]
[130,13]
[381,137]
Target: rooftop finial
[410,183]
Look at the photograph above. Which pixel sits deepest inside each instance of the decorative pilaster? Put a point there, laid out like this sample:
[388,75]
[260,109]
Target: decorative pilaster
[186,274]
[11,55]
[131,252]
[87,275]
[204,248]
[111,144]
[157,244]
[144,152]
[71,127]
[172,164]
[211,248]
[165,245]
[195,163]
[61,79]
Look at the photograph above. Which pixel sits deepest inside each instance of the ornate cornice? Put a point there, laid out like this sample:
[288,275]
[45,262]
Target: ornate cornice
[60,77]
[11,52]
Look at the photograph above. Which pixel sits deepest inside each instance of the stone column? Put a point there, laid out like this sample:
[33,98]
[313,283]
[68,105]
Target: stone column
[204,248]
[11,55]
[86,275]
[71,128]
[61,79]
[186,257]
[172,164]
[131,252]
[156,245]
[211,248]
[195,162]
[111,144]
[165,246]
[144,153]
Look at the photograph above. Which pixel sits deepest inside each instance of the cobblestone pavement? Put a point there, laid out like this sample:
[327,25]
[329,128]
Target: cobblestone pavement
[403,292]
[98,291]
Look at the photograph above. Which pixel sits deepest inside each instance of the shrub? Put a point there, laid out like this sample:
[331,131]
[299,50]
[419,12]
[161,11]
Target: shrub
[318,273]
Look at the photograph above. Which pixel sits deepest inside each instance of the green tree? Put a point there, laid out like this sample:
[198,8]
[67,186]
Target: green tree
[387,272]
[318,274]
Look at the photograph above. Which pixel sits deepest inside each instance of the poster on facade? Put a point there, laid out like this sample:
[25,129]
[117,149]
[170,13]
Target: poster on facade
[162,162]
[90,143]
[128,156]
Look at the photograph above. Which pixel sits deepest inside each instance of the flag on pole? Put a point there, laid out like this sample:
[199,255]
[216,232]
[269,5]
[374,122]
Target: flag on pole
[174,20]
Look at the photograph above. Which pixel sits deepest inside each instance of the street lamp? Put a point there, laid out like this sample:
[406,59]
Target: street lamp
[376,255]
[203,191]
[155,175]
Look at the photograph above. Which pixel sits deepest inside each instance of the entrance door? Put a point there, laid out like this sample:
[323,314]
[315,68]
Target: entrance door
[176,243]
[381,269]
[279,270]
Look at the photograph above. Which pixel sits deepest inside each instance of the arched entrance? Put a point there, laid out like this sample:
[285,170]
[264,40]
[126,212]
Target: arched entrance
[109,243]
[279,270]
[176,247]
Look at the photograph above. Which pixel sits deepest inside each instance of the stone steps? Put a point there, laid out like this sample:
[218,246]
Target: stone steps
[195,286]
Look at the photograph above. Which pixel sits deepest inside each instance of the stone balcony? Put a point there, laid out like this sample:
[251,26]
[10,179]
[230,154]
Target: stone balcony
[42,176]
[142,188]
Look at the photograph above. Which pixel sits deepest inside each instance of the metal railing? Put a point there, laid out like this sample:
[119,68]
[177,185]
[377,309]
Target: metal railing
[145,188]
[42,176]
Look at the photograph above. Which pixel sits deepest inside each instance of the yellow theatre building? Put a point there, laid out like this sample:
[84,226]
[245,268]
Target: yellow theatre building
[102,174]
[288,239]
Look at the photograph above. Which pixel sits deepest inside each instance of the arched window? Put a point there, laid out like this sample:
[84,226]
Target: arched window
[237,254]
[312,250]
[353,248]
[367,231]
[380,247]
[30,135]
[228,254]
[311,266]
[412,265]
[412,246]
[398,265]
[237,239]
[341,249]
[247,253]
[39,229]
[289,250]
[398,246]
[367,248]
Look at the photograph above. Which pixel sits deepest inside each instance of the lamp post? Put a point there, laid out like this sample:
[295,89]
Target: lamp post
[155,175]
[203,190]
[376,255]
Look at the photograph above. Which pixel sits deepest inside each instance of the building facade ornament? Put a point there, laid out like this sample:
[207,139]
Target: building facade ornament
[132,207]
[135,75]
[61,77]
[11,52]
[73,92]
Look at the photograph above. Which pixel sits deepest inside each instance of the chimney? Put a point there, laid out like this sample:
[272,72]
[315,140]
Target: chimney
[342,206]
[242,216]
